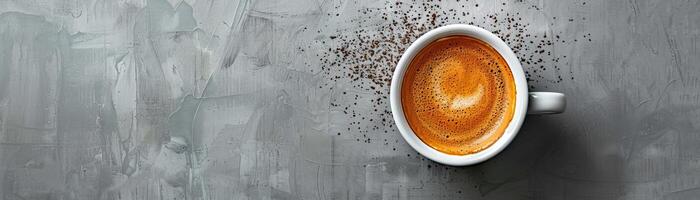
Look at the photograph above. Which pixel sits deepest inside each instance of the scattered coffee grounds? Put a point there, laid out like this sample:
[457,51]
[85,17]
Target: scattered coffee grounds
[359,60]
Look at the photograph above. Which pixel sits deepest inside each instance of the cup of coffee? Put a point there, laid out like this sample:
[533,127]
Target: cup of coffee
[459,95]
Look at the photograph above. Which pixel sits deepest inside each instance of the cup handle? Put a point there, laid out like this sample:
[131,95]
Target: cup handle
[542,103]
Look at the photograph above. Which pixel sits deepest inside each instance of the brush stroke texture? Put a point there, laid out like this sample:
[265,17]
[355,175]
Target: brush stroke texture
[210,99]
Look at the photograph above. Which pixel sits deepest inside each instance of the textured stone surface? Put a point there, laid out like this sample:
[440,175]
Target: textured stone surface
[204,99]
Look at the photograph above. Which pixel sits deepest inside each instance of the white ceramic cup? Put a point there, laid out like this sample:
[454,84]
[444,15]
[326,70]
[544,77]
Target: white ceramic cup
[525,102]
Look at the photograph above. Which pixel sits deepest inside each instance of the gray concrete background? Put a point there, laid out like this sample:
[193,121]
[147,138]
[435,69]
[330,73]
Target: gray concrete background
[204,99]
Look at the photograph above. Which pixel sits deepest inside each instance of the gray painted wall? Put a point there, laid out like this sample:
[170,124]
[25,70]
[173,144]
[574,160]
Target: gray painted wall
[204,99]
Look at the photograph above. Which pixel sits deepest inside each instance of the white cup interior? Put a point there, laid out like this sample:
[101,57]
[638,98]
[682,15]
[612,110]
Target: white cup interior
[520,102]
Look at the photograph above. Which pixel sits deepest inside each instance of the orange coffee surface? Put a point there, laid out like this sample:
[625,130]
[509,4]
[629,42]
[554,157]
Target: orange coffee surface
[458,95]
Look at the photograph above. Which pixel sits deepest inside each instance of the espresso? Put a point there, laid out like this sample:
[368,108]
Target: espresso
[458,95]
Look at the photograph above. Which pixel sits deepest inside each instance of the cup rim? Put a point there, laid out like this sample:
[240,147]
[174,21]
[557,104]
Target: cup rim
[520,102]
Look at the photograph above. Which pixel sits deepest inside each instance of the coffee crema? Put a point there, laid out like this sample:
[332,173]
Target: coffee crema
[458,95]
